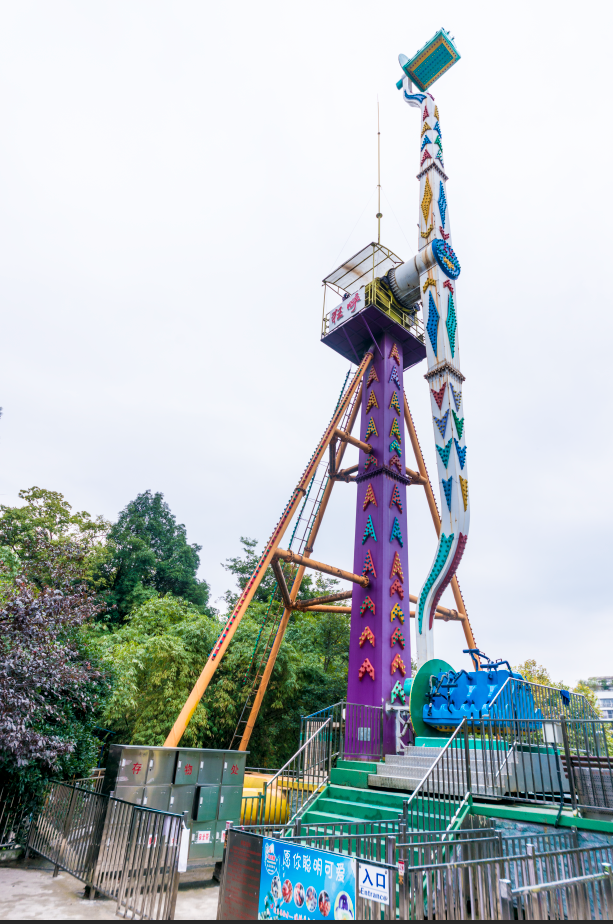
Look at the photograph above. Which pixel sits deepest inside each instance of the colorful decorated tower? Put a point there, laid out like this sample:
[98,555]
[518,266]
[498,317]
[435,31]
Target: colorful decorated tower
[381,297]
[380,647]
[376,323]
[438,272]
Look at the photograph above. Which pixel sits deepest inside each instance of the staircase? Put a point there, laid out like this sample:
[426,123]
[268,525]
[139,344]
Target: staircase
[347,797]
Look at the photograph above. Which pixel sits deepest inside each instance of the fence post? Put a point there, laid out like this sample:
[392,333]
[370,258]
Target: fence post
[506,900]
[608,890]
[390,859]
[569,767]
[536,899]
[402,858]
[65,831]
[467,757]
[359,901]
[175,873]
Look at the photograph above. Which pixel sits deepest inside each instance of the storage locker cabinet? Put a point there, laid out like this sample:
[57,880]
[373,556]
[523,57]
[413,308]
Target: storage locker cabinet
[207,799]
[161,766]
[157,797]
[130,794]
[230,803]
[187,767]
[210,767]
[132,770]
[182,799]
[202,840]
[234,768]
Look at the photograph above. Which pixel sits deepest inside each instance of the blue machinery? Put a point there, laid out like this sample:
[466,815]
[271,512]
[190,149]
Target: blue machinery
[440,698]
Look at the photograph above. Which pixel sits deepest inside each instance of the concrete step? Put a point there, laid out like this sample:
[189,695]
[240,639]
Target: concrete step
[389,800]
[356,811]
[432,753]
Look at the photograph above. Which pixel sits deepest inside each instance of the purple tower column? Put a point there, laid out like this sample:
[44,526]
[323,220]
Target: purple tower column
[380,646]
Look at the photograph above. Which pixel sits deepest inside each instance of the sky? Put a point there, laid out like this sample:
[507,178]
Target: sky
[176,179]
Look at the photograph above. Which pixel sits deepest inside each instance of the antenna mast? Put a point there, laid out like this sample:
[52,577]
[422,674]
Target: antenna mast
[379,216]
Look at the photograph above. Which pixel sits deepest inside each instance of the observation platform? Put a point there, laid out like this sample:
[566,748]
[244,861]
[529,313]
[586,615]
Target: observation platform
[365,307]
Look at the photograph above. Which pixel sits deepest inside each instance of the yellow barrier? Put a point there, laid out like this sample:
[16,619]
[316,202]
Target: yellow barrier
[276,810]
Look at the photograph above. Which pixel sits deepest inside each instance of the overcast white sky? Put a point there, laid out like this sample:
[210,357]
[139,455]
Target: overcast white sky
[175,181]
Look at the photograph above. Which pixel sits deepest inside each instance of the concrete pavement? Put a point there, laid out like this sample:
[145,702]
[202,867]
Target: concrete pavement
[29,893]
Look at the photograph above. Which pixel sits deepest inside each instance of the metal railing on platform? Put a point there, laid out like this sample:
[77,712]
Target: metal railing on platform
[518,699]
[355,730]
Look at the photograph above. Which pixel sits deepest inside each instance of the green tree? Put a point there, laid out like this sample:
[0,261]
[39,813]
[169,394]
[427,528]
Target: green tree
[51,687]
[156,657]
[536,673]
[148,555]
[46,520]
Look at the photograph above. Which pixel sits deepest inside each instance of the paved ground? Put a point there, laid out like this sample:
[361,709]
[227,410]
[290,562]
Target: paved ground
[31,894]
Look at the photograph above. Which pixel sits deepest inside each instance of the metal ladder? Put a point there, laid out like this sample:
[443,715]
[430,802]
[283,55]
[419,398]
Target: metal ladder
[274,614]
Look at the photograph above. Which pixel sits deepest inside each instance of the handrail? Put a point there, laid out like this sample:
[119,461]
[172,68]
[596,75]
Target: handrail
[294,756]
[326,709]
[539,689]
[444,793]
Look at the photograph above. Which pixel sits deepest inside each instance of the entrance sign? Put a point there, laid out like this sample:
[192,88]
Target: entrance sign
[374,883]
[298,883]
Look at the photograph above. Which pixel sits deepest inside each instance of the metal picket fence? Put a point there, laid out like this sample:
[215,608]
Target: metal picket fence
[470,889]
[582,898]
[15,820]
[124,851]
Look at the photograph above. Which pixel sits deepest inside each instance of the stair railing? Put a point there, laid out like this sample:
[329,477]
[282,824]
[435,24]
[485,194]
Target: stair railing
[446,788]
[297,784]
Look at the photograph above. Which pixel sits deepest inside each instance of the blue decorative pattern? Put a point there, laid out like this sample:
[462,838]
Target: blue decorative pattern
[451,323]
[446,258]
[396,447]
[441,423]
[447,490]
[444,547]
[394,377]
[437,129]
[369,531]
[442,202]
[444,452]
[457,396]
[396,534]
[432,325]
[425,141]
[461,452]
[414,97]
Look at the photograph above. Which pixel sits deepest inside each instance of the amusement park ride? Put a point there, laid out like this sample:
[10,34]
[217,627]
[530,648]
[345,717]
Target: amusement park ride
[375,323]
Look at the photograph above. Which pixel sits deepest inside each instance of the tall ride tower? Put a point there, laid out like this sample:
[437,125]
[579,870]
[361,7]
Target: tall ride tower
[376,324]
[379,312]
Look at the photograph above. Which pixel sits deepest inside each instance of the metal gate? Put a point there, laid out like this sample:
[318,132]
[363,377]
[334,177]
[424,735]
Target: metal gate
[124,851]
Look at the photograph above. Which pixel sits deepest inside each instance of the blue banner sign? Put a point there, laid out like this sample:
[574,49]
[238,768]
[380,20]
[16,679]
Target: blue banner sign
[300,884]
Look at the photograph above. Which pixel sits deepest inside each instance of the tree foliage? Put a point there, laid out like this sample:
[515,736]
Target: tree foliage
[159,652]
[536,673]
[46,522]
[50,686]
[148,555]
